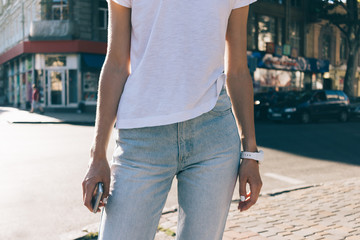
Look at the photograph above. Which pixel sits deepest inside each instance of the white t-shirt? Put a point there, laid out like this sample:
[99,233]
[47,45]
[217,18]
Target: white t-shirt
[177,60]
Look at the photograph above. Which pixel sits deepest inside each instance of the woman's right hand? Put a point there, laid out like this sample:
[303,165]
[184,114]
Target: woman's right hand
[98,171]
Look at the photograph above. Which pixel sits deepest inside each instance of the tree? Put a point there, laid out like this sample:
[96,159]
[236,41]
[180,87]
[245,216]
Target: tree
[344,14]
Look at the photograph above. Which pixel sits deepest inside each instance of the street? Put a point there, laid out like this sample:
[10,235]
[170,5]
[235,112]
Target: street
[42,167]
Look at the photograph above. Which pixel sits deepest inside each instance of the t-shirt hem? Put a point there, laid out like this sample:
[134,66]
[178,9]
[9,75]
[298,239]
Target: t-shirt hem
[165,119]
[243,3]
[123,3]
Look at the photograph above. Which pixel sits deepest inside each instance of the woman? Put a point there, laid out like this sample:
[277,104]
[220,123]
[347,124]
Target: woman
[173,117]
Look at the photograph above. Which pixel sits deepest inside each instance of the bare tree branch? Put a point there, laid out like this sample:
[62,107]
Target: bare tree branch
[342,29]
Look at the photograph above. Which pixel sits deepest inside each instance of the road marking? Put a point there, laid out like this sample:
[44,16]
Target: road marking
[284,178]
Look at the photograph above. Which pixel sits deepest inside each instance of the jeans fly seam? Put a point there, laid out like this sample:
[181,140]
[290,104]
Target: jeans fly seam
[179,146]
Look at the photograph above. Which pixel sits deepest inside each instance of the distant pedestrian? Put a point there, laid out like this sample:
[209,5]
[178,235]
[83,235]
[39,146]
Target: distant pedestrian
[174,117]
[35,100]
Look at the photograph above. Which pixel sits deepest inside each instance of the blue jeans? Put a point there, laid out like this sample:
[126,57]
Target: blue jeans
[203,153]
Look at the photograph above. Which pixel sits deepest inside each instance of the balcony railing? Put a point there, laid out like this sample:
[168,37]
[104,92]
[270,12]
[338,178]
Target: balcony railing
[52,30]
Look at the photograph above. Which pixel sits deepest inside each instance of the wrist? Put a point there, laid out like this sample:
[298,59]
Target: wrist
[249,145]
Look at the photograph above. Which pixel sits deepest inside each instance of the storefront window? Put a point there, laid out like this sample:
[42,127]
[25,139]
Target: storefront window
[279,79]
[73,90]
[55,61]
[41,84]
[267,31]
[90,86]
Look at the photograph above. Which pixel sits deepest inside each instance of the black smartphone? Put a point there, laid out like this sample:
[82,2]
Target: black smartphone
[95,201]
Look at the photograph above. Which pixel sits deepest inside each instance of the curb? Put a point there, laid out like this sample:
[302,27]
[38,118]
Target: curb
[90,123]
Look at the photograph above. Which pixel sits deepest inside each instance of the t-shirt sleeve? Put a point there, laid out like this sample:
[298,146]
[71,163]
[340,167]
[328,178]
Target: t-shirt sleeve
[125,3]
[242,3]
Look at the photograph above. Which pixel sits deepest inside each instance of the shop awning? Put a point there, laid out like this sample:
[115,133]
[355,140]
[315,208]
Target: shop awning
[93,60]
[53,47]
[270,61]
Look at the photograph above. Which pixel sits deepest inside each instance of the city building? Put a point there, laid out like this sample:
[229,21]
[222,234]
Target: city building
[59,45]
[287,50]
[326,41]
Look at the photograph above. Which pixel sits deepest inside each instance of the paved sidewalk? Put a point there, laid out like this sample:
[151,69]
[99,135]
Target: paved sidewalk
[328,212]
[15,115]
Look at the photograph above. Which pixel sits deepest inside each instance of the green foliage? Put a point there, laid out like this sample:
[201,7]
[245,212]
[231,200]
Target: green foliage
[90,236]
[167,231]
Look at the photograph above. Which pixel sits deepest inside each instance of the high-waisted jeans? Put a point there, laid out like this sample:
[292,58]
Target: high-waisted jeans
[203,153]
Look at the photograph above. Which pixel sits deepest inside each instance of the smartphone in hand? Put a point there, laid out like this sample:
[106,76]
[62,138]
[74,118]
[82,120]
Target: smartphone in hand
[95,201]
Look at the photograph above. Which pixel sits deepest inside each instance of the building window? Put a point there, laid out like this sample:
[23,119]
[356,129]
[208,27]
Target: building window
[326,47]
[103,15]
[280,24]
[266,31]
[296,3]
[295,37]
[55,9]
[251,34]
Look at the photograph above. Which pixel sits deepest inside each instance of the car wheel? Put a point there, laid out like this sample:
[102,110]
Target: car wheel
[305,117]
[343,117]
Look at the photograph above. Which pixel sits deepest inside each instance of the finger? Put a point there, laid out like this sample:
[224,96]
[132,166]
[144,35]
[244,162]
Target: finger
[89,192]
[106,189]
[255,187]
[103,202]
[242,189]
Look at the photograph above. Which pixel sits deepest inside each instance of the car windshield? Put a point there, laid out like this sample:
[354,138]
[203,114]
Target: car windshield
[303,96]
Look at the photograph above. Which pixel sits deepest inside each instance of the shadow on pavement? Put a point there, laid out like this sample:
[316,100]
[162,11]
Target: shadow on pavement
[329,140]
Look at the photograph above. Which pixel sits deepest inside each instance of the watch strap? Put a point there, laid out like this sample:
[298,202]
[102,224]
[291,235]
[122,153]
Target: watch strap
[258,156]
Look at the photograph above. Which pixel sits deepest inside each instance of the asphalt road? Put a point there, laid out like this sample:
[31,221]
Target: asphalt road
[42,166]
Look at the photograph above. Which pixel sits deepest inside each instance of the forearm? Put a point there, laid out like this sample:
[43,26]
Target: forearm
[240,89]
[111,85]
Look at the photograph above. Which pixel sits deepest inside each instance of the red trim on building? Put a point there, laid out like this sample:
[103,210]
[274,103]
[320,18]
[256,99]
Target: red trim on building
[63,46]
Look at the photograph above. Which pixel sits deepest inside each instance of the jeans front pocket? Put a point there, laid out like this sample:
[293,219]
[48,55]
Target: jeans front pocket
[223,104]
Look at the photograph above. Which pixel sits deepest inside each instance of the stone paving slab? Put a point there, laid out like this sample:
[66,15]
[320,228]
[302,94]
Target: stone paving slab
[324,212]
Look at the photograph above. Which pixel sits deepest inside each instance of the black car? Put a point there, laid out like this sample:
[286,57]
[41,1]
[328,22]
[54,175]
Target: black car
[264,100]
[311,106]
[355,110]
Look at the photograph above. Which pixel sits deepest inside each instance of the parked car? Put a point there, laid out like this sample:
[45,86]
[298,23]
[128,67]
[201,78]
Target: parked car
[311,106]
[355,107]
[261,104]
[355,110]
[264,100]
